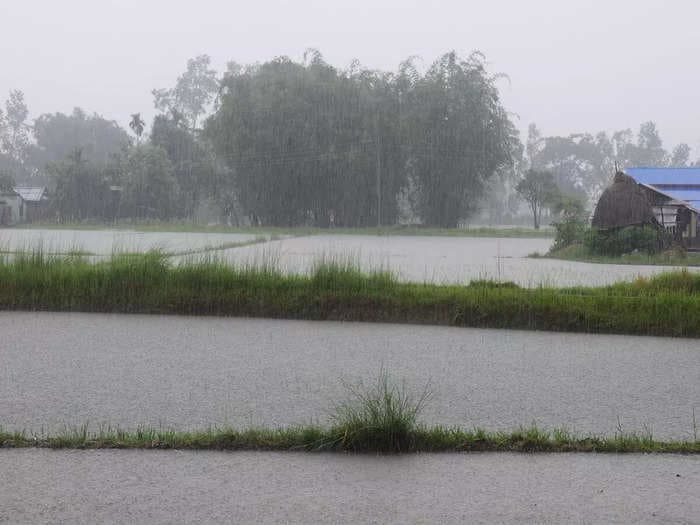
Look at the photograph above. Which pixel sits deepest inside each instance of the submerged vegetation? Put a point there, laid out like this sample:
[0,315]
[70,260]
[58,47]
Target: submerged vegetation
[667,305]
[382,418]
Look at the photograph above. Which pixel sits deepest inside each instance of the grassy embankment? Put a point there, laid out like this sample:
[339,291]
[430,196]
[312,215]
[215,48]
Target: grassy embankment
[579,253]
[380,419]
[666,305]
[185,227]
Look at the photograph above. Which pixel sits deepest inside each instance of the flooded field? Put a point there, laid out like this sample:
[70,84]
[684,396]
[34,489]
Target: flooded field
[443,259]
[184,373]
[106,242]
[42,486]
[413,258]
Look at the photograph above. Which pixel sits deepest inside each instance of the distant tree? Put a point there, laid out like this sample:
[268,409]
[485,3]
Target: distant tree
[149,188]
[539,190]
[58,135]
[680,156]
[7,181]
[194,91]
[137,125]
[458,135]
[650,151]
[14,134]
[81,191]
[192,161]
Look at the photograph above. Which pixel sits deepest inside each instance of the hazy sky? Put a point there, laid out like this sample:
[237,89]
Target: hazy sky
[583,65]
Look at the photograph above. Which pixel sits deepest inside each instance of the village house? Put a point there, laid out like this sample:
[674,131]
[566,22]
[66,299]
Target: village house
[23,204]
[667,197]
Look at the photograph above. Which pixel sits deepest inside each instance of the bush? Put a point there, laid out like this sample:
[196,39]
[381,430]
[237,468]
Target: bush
[572,230]
[645,239]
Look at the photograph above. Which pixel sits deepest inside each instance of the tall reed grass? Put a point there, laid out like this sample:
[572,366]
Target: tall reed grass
[665,305]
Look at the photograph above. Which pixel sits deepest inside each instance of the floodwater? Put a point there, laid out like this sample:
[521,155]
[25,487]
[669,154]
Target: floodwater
[43,486]
[106,242]
[412,258]
[184,372]
[441,259]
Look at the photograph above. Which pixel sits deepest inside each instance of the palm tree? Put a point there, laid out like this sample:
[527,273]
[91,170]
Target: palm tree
[137,125]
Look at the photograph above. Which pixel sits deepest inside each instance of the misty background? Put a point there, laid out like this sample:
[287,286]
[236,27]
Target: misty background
[580,67]
[399,112]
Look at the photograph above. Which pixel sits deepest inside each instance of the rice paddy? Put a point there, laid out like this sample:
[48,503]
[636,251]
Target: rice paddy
[664,305]
[381,418]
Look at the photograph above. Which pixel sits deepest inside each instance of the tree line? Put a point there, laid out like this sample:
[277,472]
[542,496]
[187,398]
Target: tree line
[305,143]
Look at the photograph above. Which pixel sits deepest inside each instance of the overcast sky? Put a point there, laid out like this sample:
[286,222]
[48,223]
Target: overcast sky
[583,65]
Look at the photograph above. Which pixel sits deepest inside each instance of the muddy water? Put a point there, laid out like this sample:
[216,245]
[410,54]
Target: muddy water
[412,258]
[105,242]
[184,372]
[442,259]
[41,486]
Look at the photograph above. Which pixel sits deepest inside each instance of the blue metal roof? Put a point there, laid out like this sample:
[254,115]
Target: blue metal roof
[681,195]
[682,184]
[666,176]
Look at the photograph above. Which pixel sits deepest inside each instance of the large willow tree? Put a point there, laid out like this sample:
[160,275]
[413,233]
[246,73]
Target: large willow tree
[307,143]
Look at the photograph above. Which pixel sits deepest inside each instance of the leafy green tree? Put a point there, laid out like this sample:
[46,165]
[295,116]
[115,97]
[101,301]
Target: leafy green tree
[680,156]
[137,125]
[194,91]
[193,163]
[149,187]
[58,135]
[14,134]
[459,135]
[539,190]
[306,143]
[7,181]
[81,191]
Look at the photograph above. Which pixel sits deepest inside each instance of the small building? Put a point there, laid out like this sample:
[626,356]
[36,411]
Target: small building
[10,207]
[664,197]
[674,195]
[23,204]
[623,203]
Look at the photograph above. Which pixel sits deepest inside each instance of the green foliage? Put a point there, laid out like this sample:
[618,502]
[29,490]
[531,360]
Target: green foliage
[81,190]
[193,92]
[339,146]
[382,418]
[539,190]
[150,189]
[644,239]
[193,164]
[568,232]
[663,305]
[58,135]
[458,132]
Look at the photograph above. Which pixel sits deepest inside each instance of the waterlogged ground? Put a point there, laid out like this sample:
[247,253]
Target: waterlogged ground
[183,373]
[440,259]
[106,242]
[412,258]
[41,486]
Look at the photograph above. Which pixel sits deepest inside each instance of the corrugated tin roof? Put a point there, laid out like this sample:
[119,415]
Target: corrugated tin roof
[31,194]
[682,184]
[666,176]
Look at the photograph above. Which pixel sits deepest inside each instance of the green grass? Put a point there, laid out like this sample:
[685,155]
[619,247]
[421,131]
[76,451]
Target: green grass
[317,438]
[666,305]
[381,418]
[480,231]
[579,253]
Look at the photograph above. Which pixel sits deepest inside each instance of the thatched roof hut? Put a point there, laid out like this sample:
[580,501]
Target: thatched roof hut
[622,204]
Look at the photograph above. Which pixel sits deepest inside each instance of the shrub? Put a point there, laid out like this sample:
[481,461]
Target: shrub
[572,230]
[645,239]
